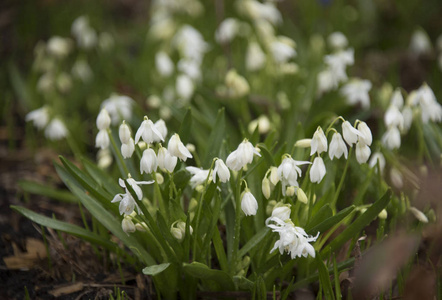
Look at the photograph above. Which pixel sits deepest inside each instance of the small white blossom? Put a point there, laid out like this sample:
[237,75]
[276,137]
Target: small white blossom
[249,205]
[164,64]
[362,152]
[319,142]
[337,40]
[317,171]
[124,133]
[255,57]
[221,171]
[148,132]
[148,162]
[263,124]
[356,91]
[56,130]
[288,171]
[282,49]
[104,158]
[128,225]
[102,139]
[365,133]
[127,202]
[350,133]
[281,212]
[160,125]
[166,162]
[227,30]
[118,107]
[392,138]
[184,87]
[59,47]
[418,214]
[393,117]
[199,176]
[128,149]
[103,120]
[337,147]
[236,84]
[265,187]
[39,117]
[431,109]
[420,42]
[397,99]
[274,177]
[242,156]
[376,158]
[82,70]
[396,178]
[177,148]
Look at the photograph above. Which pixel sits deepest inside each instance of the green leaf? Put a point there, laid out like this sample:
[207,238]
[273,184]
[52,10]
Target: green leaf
[186,127]
[253,242]
[219,250]
[220,279]
[355,227]
[243,283]
[216,139]
[330,222]
[324,278]
[101,177]
[323,213]
[155,269]
[47,191]
[267,155]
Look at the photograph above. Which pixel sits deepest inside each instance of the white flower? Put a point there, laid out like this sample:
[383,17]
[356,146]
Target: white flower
[124,133]
[263,124]
[128,149]
[282,49]
[392,138]
[165,160]
[148,162]
[292,239]
[326,81]
[420,42]
[39,117]
[258,11]
[265,187]
[103,120]
[102,139]
[227,30]
[303,143]
[376,158]
[56,130]
[118,107]
[127,202]
[431,109]
[337,147]
[221,171]
[281,212]
[249,205]
[135,186]
[396,178]
[288,171]
[190,67]
[319,142]
[350,133]
[317,171]
[199,175]
[148,132]
[302,197]
[104,158]
[407,114]
[393,117]
[190,42]
[362,152]
[365,133]
[58,46]
[236,84]
[163,64]
[160,125]
[255,57]
[356,91]
[337,40]
[397,99]
[418,214]
[184,87]
[179,231]
[177,148]
[128,225]
[82,70]
[242,156]
[274,177]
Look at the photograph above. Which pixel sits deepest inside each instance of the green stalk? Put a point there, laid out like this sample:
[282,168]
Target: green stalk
[341,182]
[120,159]
[237,231]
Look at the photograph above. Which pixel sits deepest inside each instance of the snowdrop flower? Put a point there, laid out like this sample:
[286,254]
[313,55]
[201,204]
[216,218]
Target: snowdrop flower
[177,148]
[124,133]
[356,91]
[274,177]
[418,214]
[178,230]
[127,149]
[396,178]
[393,117]
[337,40]
[376,158]
[281,211]
[127,202]
[221,171]
[79,25]
[39,117]
[191,68]
[236,84]
[255,57]
[282,49]
[431,109]
[148,132]
[292,239]
[163,64]
[317,171]
[190,42]
[397,99]
[134,185]
[104,158]
[160,125]
[290,191]
[184,87]
[362,152]
[350,133]
[166,162]
[302,197]
[326,81]
[102,139]
[337,147]
[392,138]
[82,70]
[103,120]
[148,162]
[319,142]
[242,156]
[288,172]
[303,143]
[199,176]
[407,114]
[59,47]
[263,122]
[258,11]
[420,42]
[118,107]
[249,205]
[365,133]
[227,30]
[56,130]
[128,225]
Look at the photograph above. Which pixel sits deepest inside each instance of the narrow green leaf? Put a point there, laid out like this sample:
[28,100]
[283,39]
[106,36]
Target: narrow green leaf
[330,222]
[336,275]
[155,269]
[47,191]
[219,250]
[266,154]
[220,278]
[323,213]
[253,242]
[186,126]
[243,283]
[324,277]
[102,177]
[216,139]
[355,227]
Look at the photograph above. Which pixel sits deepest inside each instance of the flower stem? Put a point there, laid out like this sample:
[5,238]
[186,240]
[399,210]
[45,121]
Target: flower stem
[120,159]
[341,182]
[237,231]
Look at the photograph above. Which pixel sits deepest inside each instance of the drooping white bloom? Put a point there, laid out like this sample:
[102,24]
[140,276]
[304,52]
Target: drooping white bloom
[337,40]
[148,132]
[365,133]
[135,185]
[221,171]
[104,158]
[166,162]
[160,125]
[148,162]
[249,205]
[103,120]
[337,147]
[124,133]
[128,149]
[79,25]
[177,148]
[319,142]
[274,177]
[178,230]
[326,81]
[199,176]
[128,225]
[118,107]
[281,211]
[255,57]
[236,84]
[39,117]
[263,122]
[288,172]
[227,30]
[258,11]
[82,70]
[392,138]
[407,114]
[184,87]
[292,239]
[362,152]
[163,64]
[356,91]
[59,47]
[191,68]
[56,130]
[397,99]
[127,202]
[418,214]
[102,139]
[282,49]
[317,171]
[431,109]
[376,158]
[242,156]
[393,117]
[350,133]
[396,178]
[190,43]
[420,42]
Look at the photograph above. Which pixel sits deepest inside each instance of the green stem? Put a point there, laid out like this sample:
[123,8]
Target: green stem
[341,182]
[237,231]
[120,159]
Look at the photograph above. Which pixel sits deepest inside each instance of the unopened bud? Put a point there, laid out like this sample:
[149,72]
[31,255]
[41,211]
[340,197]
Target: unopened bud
[266,187]
[290,191]
[159,178]
[302,197]
[383,214]
[141,226]
[304,143]
[418,214]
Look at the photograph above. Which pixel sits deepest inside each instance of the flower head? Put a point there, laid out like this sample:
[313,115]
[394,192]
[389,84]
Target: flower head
[199,176]
[148,132]
[319,142]
[177,148]
[221,171]
[365,133]
[165,160]
[148,162]
[56,130]
[350,133]
[103,120]
[102,139]
[39,117]
[242,156]
[362,152]
[337,147]
[249,205]
[317,171]
[128,149]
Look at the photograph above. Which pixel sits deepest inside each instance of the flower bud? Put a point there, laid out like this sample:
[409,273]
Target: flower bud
[290,191]
[266,187]
[249,205]
[274,178]
[177,148]
[396,178]
[383,214]
[103,120]
[193,204]
[282,211]
[128,225]
[159,178]
[418,214]
[221,171]
[302,197]
[141,226]
[148,162]
[124,133]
